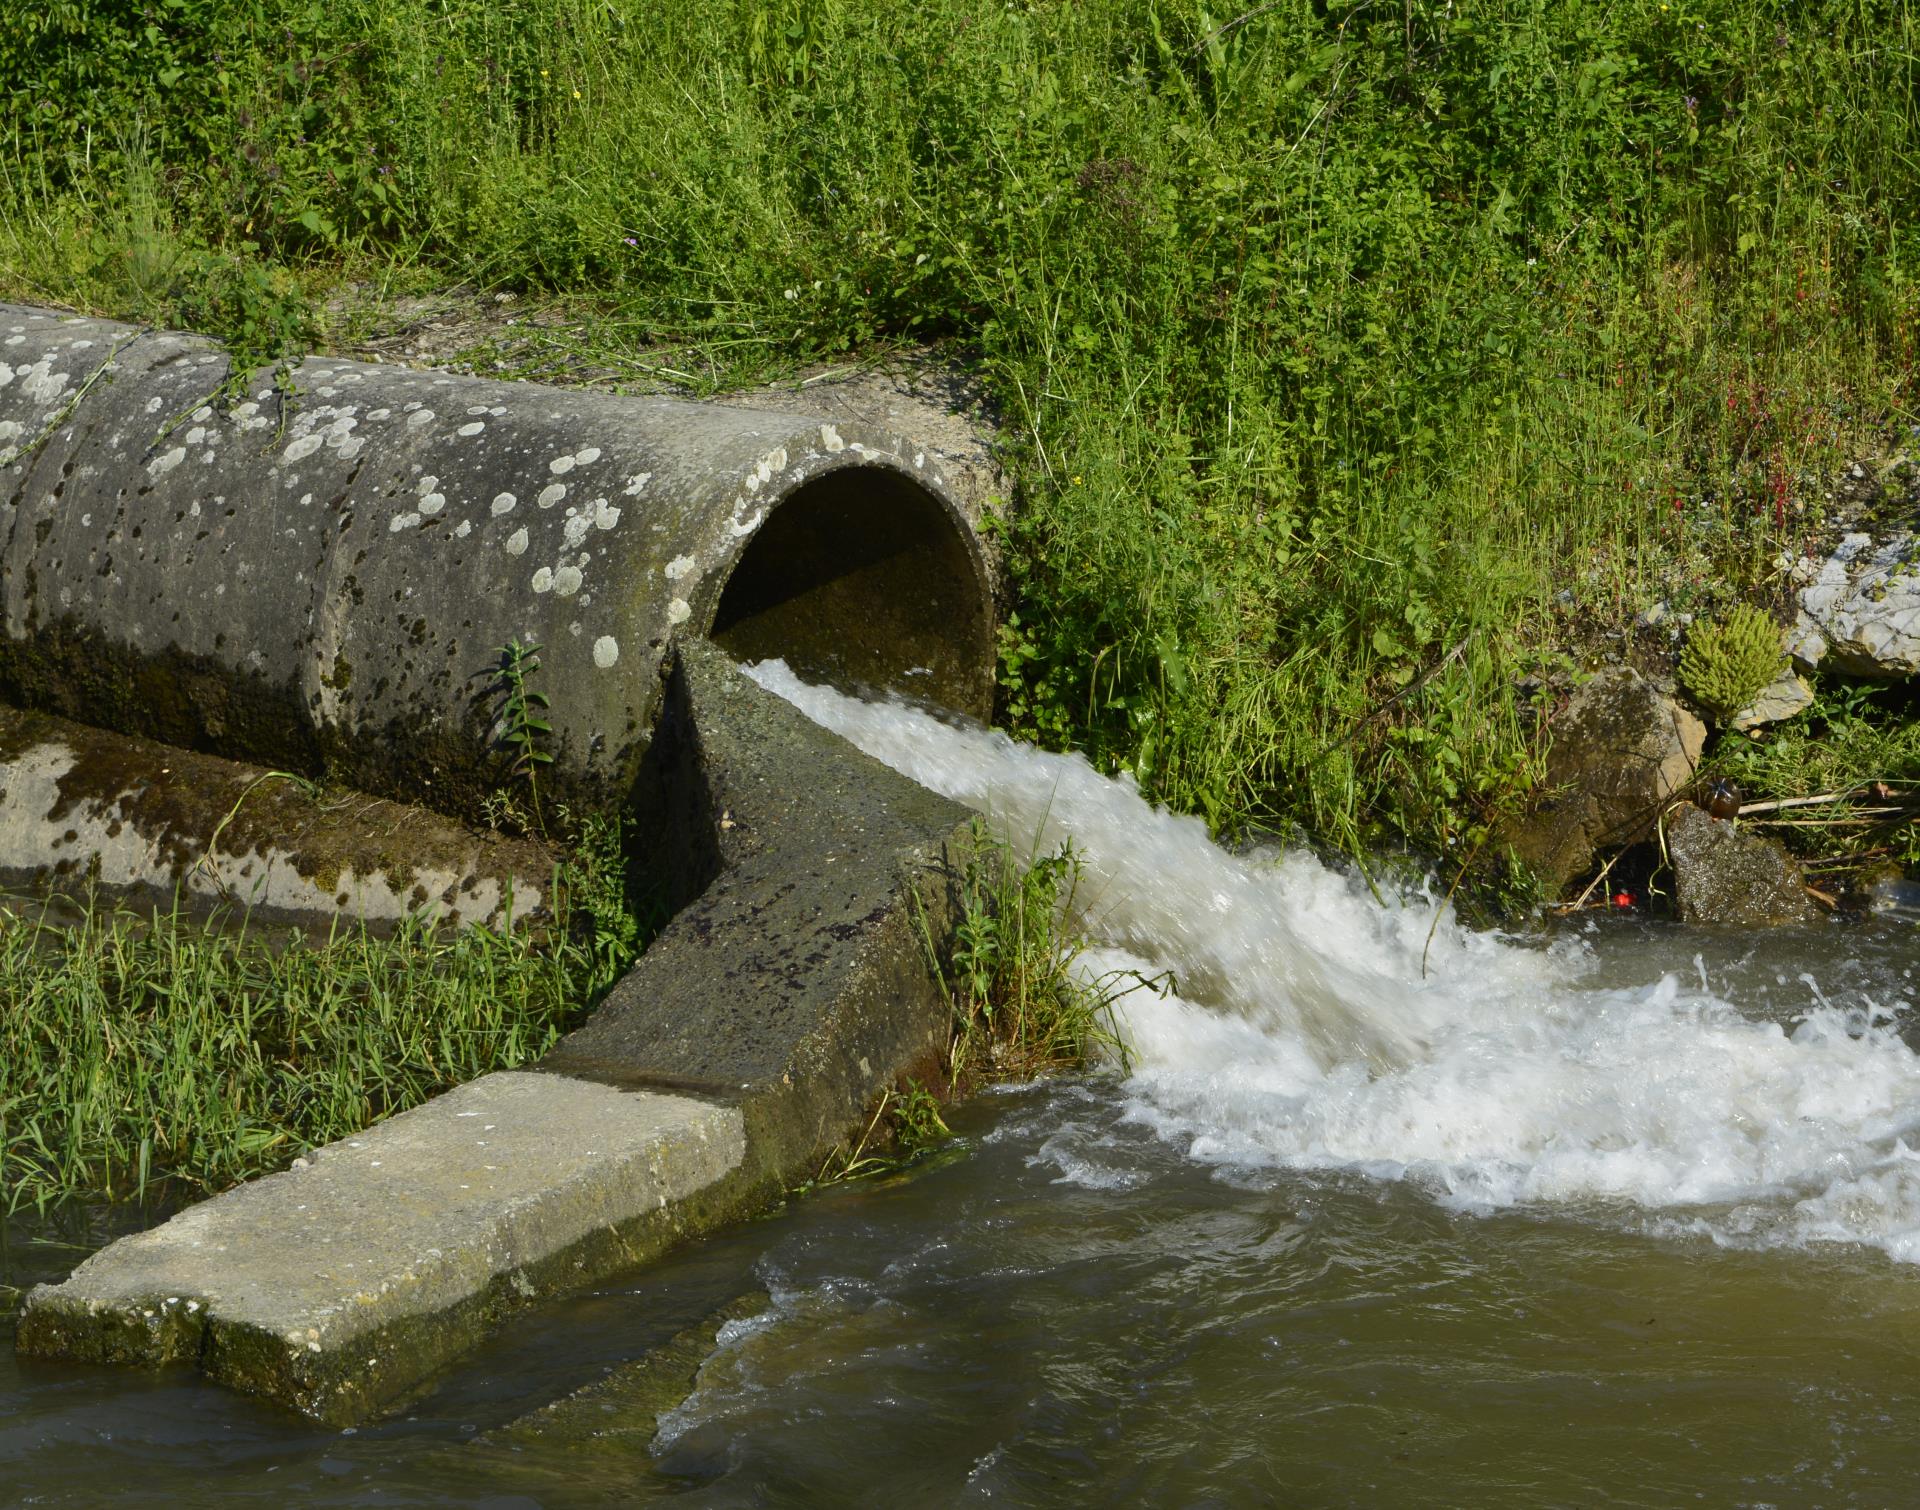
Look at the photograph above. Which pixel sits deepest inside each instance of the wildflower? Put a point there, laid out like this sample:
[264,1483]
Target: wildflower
[576,94]
[631,240]
[1076,480]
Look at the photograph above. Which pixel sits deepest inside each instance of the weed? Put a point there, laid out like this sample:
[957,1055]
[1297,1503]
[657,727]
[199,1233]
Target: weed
[310,788]
[1726,663]
[591,888]
[1021,1006]
[521,724]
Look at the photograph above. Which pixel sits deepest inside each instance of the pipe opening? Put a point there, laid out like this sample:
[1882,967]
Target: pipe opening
[863,579]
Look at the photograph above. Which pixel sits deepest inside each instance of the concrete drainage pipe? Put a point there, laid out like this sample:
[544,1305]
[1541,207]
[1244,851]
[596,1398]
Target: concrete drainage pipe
[324,581]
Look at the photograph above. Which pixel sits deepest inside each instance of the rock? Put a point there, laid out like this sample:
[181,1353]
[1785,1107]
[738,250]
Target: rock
[1894,896]
[1621,750]
[1725,877]
[1861,607]
[1778,701]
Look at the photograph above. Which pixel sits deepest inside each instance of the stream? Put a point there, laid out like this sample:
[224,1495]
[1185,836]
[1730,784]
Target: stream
[1628,1215]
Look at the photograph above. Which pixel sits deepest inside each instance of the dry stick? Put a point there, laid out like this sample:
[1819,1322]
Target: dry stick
[1747,809]
[1581,900]
[1415,685]
[1862,819]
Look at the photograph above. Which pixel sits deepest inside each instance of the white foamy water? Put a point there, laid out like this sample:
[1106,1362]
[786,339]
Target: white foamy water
[1304,1035]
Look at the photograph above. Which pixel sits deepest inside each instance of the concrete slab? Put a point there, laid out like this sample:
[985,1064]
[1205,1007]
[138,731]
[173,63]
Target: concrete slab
[797,982]
[354,1274]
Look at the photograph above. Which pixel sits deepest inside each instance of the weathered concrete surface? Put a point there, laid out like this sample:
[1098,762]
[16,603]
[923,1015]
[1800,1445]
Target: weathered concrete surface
[621,1412]
[1722,876]
[346,1279]
[797,984]
[323,581]
[82,809]
[1621,750]
[787,997]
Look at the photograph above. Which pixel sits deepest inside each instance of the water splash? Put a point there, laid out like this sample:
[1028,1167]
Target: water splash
[1304,1036]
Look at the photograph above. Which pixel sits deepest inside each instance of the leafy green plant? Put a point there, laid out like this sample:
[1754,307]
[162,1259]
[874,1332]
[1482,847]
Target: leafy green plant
[1021,1008]
[522,724]
[591,890]
[1726,662]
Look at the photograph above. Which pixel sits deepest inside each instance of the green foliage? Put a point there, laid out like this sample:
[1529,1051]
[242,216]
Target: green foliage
[1338,337]
[521,722]
[1725,663]
[1853,737]
[1020,1007]
[140,1050]
[592,898]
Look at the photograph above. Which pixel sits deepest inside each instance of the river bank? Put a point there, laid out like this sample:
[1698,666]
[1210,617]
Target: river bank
[1360,371]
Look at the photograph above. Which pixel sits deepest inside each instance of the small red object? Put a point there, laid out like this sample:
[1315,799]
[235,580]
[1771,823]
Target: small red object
[1623,899]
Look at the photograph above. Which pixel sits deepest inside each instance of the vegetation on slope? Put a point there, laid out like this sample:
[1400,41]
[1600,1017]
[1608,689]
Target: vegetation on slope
[1364,357]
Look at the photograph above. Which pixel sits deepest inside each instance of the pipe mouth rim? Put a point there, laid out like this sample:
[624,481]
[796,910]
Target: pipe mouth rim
[888,586]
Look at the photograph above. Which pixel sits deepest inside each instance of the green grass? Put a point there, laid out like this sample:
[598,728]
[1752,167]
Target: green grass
[1852,737]
[1359,357]
[142,1054]
[1021,1008]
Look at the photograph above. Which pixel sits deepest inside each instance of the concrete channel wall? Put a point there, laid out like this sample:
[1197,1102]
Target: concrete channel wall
[322,575]
[323,582]
[755,1034]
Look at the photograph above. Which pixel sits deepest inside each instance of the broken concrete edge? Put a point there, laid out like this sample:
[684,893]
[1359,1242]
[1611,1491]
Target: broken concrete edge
[786,999]
[85,813]
[626,1404]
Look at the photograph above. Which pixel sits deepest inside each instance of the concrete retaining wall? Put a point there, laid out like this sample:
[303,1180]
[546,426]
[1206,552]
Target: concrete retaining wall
[84,810]
[324,581]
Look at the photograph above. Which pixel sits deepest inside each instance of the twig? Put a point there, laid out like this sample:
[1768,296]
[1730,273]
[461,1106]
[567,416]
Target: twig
[1781,804]
[1240,20]
[1863,817]
[1415,685]
[1580,901]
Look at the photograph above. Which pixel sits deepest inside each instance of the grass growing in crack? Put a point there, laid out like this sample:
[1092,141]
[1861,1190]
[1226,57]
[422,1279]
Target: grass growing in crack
[1021,1007]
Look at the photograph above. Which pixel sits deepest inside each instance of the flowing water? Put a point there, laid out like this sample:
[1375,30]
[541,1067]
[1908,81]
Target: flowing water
[1627,1216]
